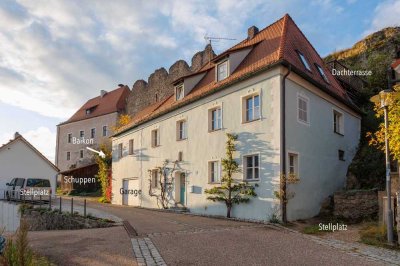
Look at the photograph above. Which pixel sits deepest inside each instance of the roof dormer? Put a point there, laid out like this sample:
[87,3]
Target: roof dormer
[222,69]
[179,91]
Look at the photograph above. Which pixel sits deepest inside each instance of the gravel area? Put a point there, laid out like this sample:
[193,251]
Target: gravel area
[87,247]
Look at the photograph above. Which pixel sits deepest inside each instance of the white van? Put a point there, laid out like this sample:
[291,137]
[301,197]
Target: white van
[28,189]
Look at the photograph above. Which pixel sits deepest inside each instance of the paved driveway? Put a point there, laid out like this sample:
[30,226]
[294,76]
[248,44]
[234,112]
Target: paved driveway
[176,239]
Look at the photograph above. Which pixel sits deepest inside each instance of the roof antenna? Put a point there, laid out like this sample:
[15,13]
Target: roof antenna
[210,39]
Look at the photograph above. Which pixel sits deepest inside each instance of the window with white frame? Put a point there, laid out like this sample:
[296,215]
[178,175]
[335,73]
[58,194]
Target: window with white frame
[215,119]
[252,108]
[104,131]
[302,109]
[222,70]
[293,165]
[155,138]
[338,125]
[130,146]
[252,167]
[181,130]
[120,150]
[155,178]
[179,92]
[81,154]
[214,172]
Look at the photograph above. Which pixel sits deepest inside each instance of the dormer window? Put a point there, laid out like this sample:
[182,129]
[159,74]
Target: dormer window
[304,61]
[90,110]
[179,92]
[222,70]
[322,73]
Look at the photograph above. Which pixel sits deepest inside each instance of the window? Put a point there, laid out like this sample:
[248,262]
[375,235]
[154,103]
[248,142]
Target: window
[302,105]
[180,156]
[215,119]
[179,92]
[181,127]
[214,172]
[81,133]
[338,122]
[81,154]
[130,146]
[92,133]
[322,73]
[341,155]
[155,175]
[69,138]
[104,131]
[251,167]
[120,150]
[252,108]
[88,111]
[222,71]
[155,138]
[304,61]
[293,165]
[68,155]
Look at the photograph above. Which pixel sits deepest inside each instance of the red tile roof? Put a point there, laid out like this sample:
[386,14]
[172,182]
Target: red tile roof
[396,63]
[277,43]
[113,101]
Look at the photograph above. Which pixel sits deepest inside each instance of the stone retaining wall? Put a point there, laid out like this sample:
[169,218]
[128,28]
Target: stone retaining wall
[356,205]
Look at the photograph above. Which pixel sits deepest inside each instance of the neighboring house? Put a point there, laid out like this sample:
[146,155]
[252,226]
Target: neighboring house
[291,116]
[18,158]
[90,126]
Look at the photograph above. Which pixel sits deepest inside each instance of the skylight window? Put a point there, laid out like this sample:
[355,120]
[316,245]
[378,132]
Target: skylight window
[222,71]
[322,73]
[304,61]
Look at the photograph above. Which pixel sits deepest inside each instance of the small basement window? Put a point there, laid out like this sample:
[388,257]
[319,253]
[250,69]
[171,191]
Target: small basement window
[341,155]
[304,61]
[322,73]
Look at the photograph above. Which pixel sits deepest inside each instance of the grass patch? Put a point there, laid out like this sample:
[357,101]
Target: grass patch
[314,230]
[375,235]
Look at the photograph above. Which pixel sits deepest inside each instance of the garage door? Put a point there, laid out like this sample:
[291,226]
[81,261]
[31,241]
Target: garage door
[132,192]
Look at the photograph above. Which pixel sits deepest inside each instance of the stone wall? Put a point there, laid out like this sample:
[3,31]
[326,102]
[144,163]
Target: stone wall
[158,87]
[356,205]
[398,216]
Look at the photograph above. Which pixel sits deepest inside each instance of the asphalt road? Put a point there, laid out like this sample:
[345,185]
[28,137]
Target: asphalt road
[193,240]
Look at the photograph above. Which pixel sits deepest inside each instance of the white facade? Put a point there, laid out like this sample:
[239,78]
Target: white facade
[320,171]
[18,159]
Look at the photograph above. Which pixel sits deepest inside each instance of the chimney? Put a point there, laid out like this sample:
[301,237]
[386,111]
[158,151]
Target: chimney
[251,32]
[16,135]
[102,93]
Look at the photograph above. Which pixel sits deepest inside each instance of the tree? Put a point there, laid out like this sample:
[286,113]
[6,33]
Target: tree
[104,173]
[163,183]
[123,120]
[231,191]
[378,138]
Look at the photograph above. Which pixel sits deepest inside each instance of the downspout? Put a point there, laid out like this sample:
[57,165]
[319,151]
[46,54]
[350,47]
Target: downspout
[283,147]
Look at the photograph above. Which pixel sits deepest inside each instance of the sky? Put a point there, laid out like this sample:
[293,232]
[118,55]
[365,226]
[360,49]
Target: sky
[55,55]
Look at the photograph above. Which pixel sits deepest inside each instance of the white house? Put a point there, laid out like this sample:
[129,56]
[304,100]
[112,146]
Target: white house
[18,158]
[290,114]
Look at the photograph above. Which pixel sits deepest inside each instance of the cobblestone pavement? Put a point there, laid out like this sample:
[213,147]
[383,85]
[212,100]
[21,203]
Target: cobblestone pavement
[146,253]
[387,256]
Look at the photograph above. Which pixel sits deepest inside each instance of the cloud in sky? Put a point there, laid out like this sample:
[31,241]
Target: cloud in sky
[386,14]
[41,138]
